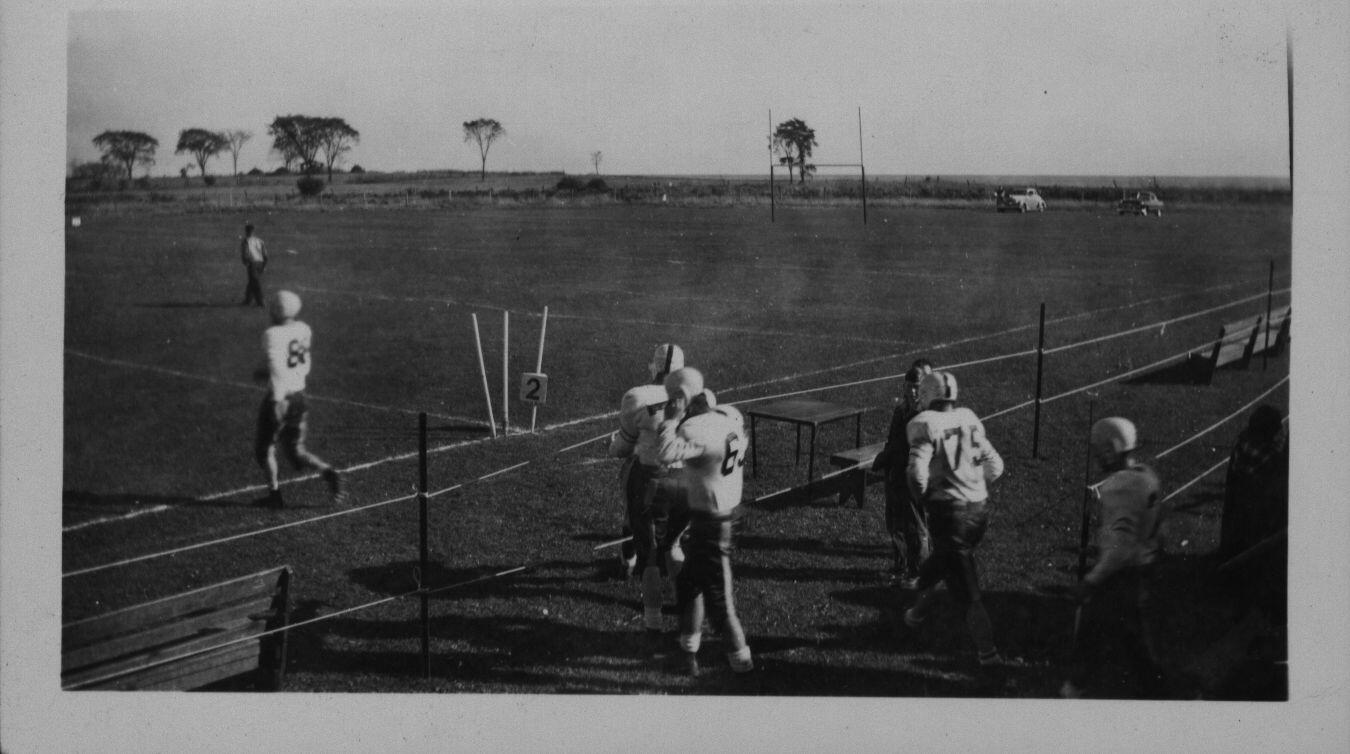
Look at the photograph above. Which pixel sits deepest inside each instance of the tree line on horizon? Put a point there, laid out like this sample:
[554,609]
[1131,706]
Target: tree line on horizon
[316,144]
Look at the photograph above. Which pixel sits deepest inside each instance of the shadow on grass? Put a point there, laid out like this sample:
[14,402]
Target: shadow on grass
[1182,373]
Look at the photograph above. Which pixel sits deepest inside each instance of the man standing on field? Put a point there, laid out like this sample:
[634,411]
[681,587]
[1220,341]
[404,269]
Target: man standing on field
[647,484]
[950,463]
[281,417]
[253,252]
[710,440]
[906,522]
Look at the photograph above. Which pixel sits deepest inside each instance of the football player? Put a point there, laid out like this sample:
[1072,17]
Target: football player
[648,485]
[1114,595]
[281,417]
[711,441]
[951,462]
[905,520]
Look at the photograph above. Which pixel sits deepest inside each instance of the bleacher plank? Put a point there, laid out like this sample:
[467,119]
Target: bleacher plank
[1233,347]
[100,627]
[138,641]
[1275,333]
[183,641]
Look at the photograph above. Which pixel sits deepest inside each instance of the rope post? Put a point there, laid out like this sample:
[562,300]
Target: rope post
[539,363]
[482,369]
[1270,292]
[1040,363]
[506,379]
[1087,478]
[860,166]
[422,527]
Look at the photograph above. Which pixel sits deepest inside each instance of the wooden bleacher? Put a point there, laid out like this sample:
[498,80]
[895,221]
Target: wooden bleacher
[1233,347]
[185,641]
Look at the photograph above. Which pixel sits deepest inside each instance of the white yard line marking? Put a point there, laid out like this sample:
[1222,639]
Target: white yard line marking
[610,320]
[611,414]
[255,388]
[123,517]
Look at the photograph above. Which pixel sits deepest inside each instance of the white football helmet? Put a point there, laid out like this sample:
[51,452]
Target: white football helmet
[936,386]
[686,382]
[283,305]
[1113,435]
[667,358]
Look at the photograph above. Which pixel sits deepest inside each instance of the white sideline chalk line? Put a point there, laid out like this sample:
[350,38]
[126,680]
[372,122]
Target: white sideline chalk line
[256,388]
[123,517]
[610,414]
[609,320]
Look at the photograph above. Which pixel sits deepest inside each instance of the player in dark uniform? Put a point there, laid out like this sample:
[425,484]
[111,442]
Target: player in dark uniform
[906,522]
[1114,596]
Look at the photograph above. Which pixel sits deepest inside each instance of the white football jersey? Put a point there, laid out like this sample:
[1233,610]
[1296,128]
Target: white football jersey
[950,457]
[288,358]
[640,415]
[713,447]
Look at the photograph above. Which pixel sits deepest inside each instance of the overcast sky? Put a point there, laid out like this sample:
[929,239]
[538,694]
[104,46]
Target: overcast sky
[1016,87]
[955,88]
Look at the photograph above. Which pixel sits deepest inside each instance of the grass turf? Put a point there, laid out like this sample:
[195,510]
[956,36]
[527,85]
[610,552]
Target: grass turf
[159,410]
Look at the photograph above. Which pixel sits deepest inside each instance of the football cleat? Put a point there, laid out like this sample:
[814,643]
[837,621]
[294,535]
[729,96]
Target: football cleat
[283,305]
[627,566]
[273,500]
[936,386]
[336,489]
[741,661]
[1070,691]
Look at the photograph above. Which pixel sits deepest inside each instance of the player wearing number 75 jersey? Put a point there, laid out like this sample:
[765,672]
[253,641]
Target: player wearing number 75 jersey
[950,463]
[281,417]
[711,441]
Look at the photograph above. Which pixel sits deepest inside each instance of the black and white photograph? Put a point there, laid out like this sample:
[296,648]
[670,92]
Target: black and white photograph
[778,376]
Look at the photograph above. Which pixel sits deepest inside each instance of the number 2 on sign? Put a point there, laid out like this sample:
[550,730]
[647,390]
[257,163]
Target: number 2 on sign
[534,388]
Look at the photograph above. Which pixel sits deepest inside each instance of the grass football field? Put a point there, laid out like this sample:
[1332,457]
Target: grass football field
[159,409]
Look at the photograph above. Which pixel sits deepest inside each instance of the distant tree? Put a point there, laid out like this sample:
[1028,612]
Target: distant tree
[202,145]
[483,132]
[297,137]
[127,148]
[335,139]
[595,160]
[97,173]
[237,138]
[802,138]
[786,152]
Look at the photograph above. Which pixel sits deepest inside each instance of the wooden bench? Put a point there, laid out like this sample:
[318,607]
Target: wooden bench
[1275,333]
[1234,346]
[185,641]
[854,484]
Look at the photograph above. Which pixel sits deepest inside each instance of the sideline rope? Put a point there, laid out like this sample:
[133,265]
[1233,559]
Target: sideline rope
[233,537]
[1137,370]
[551,454]
[1162,323]
[1228,418]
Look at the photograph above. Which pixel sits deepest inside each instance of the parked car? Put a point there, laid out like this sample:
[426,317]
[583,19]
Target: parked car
[1142,203]
[1019,201]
